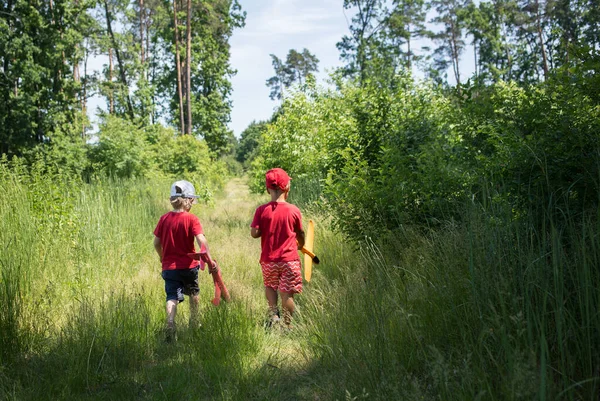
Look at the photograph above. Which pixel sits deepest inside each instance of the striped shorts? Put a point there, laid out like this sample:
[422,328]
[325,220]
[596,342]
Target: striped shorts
[283,276]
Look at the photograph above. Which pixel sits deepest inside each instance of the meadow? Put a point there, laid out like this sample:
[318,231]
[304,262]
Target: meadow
[461,312]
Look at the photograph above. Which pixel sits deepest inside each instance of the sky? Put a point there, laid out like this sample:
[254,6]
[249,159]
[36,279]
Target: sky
[275,27]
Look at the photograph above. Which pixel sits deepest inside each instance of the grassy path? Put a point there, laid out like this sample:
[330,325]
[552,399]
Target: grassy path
[236,358]
[86,319]
[423,315]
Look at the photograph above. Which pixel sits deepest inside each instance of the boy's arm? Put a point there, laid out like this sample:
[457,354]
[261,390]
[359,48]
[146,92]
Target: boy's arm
[203,243]
[300,238]
[158,247]
[255,225]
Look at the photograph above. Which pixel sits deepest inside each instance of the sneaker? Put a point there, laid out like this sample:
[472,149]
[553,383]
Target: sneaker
[273,319]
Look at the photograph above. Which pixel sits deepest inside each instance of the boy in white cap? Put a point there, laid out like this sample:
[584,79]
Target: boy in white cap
[174,237]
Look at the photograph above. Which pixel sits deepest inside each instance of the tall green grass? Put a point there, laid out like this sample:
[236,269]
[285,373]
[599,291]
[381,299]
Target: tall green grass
[84,313]
[75,305]
[489,308]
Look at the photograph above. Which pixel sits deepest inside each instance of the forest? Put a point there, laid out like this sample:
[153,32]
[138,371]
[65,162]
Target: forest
[457,217]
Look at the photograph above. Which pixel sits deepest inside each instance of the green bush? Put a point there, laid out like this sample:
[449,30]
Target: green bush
[122,150]
[249,141]
[384,156]
[178,155]
[538,143]
[387,156]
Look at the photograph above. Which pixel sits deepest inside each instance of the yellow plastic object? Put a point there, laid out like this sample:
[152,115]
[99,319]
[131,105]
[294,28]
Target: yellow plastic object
[308,244]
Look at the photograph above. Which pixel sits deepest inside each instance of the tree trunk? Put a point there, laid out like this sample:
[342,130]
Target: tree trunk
[188,66]
[111,96]
[538,18]
[408,52]
[76,75]
[56,87]
[475,59]
[178,64]
[153,79]
[84,95]
[455,58]
[147,26]
[39,136]
[150,61]
[142,12]
[119,60]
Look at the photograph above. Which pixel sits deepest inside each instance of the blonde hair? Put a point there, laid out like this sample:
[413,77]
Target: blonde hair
[179,202]
[278,191]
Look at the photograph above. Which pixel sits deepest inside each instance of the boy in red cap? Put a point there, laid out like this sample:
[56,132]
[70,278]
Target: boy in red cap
[279,226]
[174,238]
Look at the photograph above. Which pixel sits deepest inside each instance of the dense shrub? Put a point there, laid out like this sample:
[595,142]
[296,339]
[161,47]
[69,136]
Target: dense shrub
[125,150]
[538,143]
[122,150]
[384,155]
[410,153]
[249,140]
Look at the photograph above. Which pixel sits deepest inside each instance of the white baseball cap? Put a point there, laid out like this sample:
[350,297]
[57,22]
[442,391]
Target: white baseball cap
[184,189]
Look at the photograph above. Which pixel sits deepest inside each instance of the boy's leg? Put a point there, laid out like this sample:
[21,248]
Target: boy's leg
[192,289]
[174,292]
[290,284]
[271,295]
[194,302]
[171,312]
[270,273]
[287,301]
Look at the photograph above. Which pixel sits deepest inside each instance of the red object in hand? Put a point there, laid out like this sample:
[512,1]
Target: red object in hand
[220,289]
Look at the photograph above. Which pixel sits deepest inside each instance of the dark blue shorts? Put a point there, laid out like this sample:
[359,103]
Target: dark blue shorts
[180,282]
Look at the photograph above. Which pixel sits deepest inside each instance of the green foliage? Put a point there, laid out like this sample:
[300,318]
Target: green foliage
[364,49]
[298,140]
[298,68]
[408,153]
[38,47]
[179,155]
[121,150]
[234,167]
[249,141]
[212,24]
[478,308]
[484,201]
[538,143]
[45,81]
[388,155]
[66,149]
[125,150]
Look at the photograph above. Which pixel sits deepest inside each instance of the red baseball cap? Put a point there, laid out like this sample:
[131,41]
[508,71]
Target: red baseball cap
[277,178]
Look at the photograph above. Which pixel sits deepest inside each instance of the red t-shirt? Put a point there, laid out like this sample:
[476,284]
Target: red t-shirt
[278,223]
[177,232]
